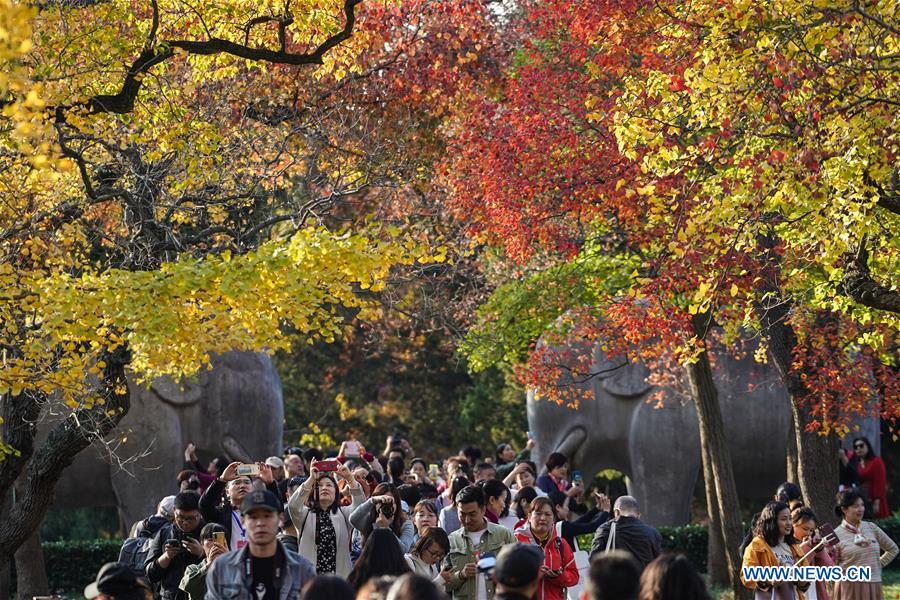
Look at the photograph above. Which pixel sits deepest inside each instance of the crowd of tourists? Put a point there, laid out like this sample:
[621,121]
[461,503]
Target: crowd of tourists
[351,524]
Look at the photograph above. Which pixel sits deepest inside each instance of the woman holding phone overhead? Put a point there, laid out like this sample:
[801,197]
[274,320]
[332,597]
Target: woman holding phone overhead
[559,570]
[323,525]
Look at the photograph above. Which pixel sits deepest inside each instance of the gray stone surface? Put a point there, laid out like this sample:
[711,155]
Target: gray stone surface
[234,410]
[659,448]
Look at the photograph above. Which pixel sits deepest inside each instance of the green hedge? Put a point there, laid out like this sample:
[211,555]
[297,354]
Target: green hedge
[73,565]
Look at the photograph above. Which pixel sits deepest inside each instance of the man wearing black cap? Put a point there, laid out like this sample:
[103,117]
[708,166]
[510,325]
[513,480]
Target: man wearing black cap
[518,571]
[117,581]
[263,569]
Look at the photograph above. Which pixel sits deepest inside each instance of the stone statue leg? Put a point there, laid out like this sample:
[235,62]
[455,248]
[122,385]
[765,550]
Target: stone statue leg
[665,461]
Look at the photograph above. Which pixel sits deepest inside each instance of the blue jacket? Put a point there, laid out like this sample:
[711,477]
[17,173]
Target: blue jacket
[227,578]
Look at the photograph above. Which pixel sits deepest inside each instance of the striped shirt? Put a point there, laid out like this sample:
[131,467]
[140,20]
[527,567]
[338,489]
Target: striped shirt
[865,546]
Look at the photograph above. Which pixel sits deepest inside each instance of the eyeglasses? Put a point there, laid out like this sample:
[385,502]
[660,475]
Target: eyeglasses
[187,519]
[860,445]
[433,553]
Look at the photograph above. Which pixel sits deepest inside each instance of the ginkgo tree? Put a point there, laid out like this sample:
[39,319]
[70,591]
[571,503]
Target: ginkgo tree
[165,180]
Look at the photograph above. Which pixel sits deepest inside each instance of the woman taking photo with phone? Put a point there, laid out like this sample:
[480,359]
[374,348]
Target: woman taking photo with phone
[860,544]
[804,521]
[774,545]
[559,570]
[323,525]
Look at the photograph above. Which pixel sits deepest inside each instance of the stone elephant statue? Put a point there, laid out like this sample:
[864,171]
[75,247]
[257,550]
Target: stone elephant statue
[658,449]
[234,410]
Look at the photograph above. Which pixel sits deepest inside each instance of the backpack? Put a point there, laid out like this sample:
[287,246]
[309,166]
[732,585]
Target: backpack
[134,553]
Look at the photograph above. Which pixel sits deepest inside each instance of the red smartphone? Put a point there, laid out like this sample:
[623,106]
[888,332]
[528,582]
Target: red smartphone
[826,532]
[324,466]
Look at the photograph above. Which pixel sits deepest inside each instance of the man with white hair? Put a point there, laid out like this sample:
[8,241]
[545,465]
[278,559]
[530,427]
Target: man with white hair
[627,532]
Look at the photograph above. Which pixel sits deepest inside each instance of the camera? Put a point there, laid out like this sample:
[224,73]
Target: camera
[387,510]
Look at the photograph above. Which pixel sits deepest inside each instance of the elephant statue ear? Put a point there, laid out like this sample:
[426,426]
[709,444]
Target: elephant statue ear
[181,393]
[625,378]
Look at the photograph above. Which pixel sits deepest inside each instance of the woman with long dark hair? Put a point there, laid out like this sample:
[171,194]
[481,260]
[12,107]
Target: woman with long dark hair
[774,545]
[383,510]
[872,475]
[380,556]
[323,525]
[860,544]
[671,577]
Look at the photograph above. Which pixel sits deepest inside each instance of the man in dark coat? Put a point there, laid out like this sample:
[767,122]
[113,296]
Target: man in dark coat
[175,546]
[631,534]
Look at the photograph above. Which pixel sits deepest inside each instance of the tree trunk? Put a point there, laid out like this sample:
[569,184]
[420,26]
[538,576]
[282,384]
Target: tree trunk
[725,505]
[817,470]
[793,467]
[67,439]
[31,576]
[716,565]
[5,566]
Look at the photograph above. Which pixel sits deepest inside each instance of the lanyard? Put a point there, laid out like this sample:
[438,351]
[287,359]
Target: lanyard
[237,522]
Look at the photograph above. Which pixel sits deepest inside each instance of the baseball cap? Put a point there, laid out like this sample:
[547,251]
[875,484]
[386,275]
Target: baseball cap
[261,499]
[297,480]
[113,579]
[274,461]
[518,565]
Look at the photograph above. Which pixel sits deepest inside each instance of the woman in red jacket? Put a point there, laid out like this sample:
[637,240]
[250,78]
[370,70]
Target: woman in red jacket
[872,476]
[559,570]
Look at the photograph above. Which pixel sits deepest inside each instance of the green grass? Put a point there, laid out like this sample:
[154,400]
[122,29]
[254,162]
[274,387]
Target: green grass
[890,581]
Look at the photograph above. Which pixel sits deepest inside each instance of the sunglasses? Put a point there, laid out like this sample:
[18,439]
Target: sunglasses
[859,445]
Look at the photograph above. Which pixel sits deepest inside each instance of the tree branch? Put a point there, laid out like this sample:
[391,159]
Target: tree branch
[154,54]
[859,285]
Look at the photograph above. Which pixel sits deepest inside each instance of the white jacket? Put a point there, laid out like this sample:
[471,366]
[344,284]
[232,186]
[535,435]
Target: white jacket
[418,566]
[305,522]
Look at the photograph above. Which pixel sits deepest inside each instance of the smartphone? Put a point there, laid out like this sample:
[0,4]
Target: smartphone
[576,476]
[486,562]
[826,532]
[173,543]
[434,470]
[530,435]
[351,449]
[248,470]
[327,465]
[219,537]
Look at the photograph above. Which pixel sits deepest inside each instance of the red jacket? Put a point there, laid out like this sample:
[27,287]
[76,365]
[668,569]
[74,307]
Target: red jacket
[557,555]
[874,478]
